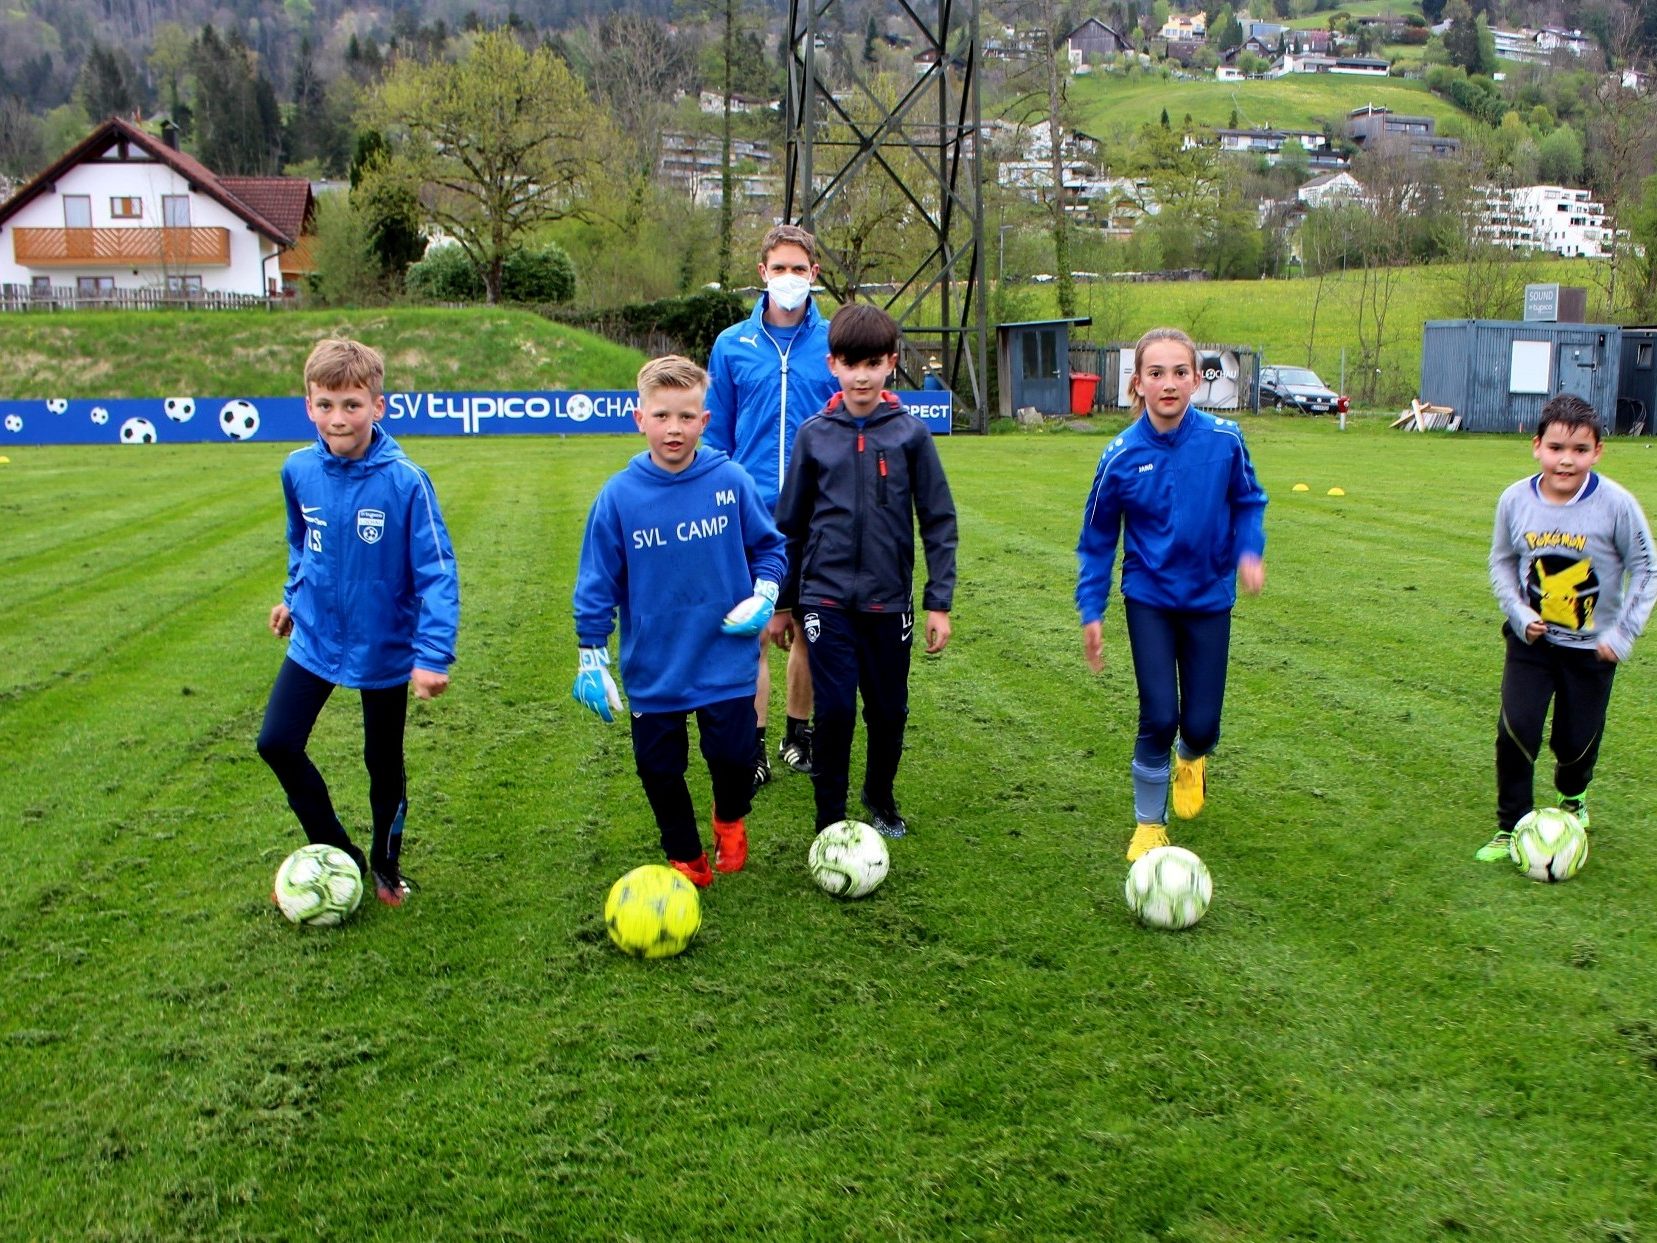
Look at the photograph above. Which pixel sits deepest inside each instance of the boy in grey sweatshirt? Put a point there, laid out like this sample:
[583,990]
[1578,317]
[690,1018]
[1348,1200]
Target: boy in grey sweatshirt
[1572,567]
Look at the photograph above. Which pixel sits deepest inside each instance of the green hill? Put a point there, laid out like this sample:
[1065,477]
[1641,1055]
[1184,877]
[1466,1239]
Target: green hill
[1110,103]
[155,353]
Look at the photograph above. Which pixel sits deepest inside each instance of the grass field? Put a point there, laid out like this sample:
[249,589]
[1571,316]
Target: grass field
[1113,104]
[222,353]
[1369,1038]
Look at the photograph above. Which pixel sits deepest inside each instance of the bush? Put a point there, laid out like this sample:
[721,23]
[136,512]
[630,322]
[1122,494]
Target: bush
[446,274]
[544,274]
[540,274]
[691,323]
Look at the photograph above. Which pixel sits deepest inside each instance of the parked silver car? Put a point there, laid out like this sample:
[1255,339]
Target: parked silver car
[1298,388]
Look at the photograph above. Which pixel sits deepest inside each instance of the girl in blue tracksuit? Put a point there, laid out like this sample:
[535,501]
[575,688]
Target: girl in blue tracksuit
[371,602]
[679,545]
[1178,487]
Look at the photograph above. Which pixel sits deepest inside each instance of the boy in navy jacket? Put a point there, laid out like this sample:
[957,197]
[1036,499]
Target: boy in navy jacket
[864,471]
[680,546]
[371,602]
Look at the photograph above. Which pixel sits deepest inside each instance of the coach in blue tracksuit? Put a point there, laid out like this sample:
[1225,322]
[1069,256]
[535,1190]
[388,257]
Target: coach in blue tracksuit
[767,375]
[1178,489]
[371,602]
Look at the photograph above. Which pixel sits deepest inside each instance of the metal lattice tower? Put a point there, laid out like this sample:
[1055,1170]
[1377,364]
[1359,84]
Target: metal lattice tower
[926,143]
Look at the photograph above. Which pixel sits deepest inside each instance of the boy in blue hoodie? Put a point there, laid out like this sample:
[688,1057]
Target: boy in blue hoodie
[371,602]
[1178,489]
[679,545]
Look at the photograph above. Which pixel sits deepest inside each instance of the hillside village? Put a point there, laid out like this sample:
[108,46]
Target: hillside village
[1465,127]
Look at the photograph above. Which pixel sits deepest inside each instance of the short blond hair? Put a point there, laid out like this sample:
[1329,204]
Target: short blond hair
[339,362]
[671,371]
[787,235]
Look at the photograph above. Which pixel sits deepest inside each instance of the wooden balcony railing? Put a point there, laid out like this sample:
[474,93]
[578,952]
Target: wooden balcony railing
[132,247]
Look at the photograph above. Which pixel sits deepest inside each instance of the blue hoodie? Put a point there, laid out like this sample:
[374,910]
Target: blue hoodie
[760,391]
[674,553]
[371,572]
[1188,507]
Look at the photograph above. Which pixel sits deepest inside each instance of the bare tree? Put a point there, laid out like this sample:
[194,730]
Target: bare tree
[1622,136]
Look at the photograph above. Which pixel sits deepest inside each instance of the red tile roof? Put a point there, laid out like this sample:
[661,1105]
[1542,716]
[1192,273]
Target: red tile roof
[118,130]
[284,201]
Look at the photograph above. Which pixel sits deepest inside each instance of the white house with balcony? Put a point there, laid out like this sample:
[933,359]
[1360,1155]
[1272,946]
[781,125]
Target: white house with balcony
[1559,219]
[124,214]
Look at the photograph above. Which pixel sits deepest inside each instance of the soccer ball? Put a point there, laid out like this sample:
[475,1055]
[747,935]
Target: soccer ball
[14,422]
[1549,844]
[100,416]
[57,405]
[179,409]
[239,419]
[318,885]
[848,859]
[138,432]
[652,912]
[1169,887]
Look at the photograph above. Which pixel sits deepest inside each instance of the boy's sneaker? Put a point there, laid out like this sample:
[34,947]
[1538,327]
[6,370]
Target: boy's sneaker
[762,769]
[1497,849]
[390,885]
[696,871]
[796,751]
[1146,837]
[1190,785]
[885,820]
[1578,807]
[730,845]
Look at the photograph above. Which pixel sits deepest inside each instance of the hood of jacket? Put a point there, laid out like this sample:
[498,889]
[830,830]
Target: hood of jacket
[704,461]
[382,451]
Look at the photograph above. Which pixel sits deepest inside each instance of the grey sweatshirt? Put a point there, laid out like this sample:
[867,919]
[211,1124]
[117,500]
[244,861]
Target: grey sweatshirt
[1567,564]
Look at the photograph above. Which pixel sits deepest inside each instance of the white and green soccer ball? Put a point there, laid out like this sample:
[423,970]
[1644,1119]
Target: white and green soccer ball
[1550,844]
[849,859]
[1169,887]
[318,885]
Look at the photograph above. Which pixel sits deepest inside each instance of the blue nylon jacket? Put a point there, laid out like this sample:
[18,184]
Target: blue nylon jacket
[759,394]
[371,582]
[673,553]
[1187,507]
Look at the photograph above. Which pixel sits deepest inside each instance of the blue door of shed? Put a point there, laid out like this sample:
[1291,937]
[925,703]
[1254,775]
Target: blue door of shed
[1043,370]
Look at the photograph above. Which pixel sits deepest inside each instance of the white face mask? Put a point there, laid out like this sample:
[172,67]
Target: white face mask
[788,292]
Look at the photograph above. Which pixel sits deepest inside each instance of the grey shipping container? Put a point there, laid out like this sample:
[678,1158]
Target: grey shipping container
[1497,374]
[1637,391]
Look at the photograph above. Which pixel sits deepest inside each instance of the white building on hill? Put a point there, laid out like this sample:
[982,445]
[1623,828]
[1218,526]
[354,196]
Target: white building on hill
[1557,219]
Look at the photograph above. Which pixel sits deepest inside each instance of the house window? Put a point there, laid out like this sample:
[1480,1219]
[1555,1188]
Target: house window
[41,286]
[126,208]
[77,211]
[94,286]
[175,211]
[189,286]
[1642,355]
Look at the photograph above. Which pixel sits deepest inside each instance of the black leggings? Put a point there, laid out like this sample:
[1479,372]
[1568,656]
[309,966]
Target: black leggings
[295,703]
[1579,684]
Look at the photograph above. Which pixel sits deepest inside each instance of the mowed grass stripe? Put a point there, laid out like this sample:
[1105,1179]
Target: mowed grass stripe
[986,1047]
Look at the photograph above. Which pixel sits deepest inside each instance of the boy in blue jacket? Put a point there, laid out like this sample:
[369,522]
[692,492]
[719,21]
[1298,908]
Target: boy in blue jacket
[680,546]
[865,473]
[371,602]
[1178,489]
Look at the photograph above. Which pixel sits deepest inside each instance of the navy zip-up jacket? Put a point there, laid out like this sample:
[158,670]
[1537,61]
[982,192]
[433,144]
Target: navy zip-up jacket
[849,508]
[371,581]
[673,552]
[1187,507]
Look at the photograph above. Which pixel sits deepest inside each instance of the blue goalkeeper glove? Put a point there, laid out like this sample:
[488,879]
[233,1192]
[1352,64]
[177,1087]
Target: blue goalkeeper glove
[594,687]
[751,616]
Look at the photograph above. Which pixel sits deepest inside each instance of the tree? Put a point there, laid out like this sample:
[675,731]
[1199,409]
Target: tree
[238,124]
[1559,158]
[108,83]
[22,149]
[1432,10]
[1642,229]
[495,145]
[390,213]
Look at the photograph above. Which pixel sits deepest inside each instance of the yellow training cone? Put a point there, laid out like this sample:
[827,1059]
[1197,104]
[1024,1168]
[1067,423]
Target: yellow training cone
[1300,487]
[1337,492]
[4,460]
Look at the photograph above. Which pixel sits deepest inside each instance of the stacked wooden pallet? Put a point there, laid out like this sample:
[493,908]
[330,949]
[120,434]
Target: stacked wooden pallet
[1426,417]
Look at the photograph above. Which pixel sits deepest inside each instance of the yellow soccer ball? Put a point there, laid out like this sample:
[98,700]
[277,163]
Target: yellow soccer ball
[652,912]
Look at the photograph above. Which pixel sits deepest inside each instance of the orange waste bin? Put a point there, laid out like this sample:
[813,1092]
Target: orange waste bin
[1083,386]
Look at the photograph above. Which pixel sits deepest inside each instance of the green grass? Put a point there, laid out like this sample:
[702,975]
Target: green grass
[1370,1037]
[1276,316]
[1116,104]
[158,353]
[1355,8]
